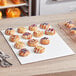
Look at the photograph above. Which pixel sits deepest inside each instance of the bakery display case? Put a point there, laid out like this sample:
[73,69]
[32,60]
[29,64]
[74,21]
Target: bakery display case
[15,8]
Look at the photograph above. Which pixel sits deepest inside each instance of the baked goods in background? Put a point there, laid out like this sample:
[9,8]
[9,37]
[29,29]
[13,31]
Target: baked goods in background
[9,31]
[33,27]
[14,38]
[32,42]
[45,41]
[13,12]
[39,49]
[73,30]
[69,24]
[24,52]
[38,33]
[27,35]
[3,2]
[21,30]
[0,15]
[16,1]
[44,26]
[19,45]
[50,31]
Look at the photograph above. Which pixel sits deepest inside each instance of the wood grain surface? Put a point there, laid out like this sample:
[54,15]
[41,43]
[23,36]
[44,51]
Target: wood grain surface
[56,66]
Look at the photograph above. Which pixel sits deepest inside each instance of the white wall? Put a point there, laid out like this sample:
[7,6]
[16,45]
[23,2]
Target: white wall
[47,8]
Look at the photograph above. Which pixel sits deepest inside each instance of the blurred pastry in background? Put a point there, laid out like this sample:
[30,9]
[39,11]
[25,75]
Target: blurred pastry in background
[13,12]
[69,24]
[73,30]
[16,1]
[0,15]
[3,2]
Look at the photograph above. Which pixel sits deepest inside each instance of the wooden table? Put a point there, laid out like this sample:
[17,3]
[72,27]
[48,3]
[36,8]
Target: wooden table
[55,67]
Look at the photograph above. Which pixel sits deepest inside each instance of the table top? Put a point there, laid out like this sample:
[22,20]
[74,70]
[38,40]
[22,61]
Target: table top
[43,67]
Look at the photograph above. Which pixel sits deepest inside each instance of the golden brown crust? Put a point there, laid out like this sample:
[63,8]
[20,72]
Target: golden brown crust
[10,31]
[19,45]
[39,49]
[38,33]
[45,41]
[16,1]
[50,31]
[14,38]
[32,43]
[21,30]
[44,26]
[24,52]
[27,35]
[33,27]
[3,2]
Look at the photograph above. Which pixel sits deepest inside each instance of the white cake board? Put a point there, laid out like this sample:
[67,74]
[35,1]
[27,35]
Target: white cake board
[56,48]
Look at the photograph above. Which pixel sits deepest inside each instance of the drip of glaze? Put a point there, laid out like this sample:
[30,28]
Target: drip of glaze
[27,33]
[45,38]
[10,29]
[23,50]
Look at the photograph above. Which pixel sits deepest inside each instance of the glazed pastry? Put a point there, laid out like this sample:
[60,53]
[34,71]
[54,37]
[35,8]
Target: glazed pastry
[44,26]
[32,43]
[3,2]
[38,33]
[69,24]
[45,41]
[14,38]
[16,1]
[13,12]
[33,27]
[10,31]
[50,31]
[19,45]
[24,52]
[39,49]
[73,30]
[21,30]
[27,35]
[0,15]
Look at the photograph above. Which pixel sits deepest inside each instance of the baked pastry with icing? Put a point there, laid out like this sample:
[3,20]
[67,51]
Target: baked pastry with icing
[44,26]
[33,42]
[14,38]
[39,49]
[19,45]
[9,31]
[27,35]
[24,52]
[38,33]
[33,27]
[50,31]
[21,30]
[45,41]
[69,24]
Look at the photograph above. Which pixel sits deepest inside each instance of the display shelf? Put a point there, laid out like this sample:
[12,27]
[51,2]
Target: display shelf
[11,4]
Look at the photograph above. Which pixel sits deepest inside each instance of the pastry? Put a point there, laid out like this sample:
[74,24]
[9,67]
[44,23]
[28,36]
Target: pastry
[0,15]
[21,30]
[45,41]
[14,38]
[3,2]
[73,30]
[27,35]
[16,1]
[19,45]
[13,12]
[10,31]
[24,52]
[32,43]
[33,27]
[38,33]
[44,26]
[39,49]
[69,24]
[50,31]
